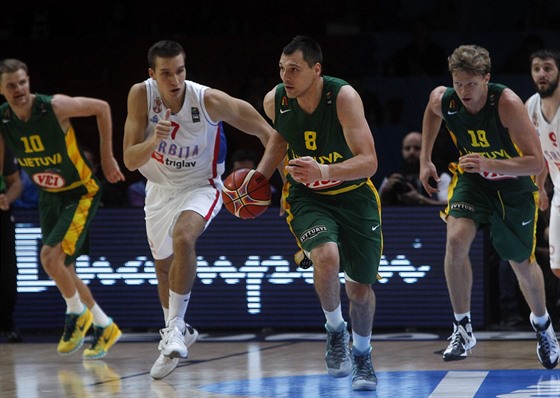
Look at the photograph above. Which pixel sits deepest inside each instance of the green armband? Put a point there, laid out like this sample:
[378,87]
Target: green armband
[2,184]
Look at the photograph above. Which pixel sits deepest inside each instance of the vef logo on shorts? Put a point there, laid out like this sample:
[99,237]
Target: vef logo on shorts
[312,232]
[462,206]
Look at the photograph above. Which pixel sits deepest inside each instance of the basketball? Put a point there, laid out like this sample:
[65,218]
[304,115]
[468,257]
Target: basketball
[246,193]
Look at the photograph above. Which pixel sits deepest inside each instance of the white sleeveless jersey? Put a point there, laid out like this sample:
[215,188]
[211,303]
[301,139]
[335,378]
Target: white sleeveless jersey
[549,136]
[194,153]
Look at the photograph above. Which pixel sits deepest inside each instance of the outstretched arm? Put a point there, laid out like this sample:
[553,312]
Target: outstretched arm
[238,113]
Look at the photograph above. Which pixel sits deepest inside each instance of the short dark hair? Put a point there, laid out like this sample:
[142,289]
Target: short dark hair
[11,65]
[310,49]
[547,53]
[164,49]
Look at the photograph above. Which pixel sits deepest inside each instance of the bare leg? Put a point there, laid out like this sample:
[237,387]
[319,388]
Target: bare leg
[182,272]
[458,270]
[531,282]
[52,259]
[325,275]
[162,273]
[83,290]
[362,307]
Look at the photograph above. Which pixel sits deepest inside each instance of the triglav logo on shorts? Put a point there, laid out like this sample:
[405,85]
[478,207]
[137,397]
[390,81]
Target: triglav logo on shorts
[312,232]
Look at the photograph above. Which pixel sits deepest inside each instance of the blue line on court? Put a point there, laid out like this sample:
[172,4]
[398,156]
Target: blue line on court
[409,384]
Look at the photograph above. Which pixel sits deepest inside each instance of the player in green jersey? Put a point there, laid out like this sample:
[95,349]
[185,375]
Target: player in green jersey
[493,184]
[37,129]
[331,205]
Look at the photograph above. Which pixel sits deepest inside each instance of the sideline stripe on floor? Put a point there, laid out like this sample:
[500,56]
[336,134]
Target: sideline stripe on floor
[459,385]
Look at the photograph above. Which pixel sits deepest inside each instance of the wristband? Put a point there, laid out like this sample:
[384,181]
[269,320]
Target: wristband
[324,169]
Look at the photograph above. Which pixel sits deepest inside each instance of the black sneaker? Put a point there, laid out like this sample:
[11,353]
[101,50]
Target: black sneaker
[302,260]
[339,363]
[547,344]
[462,340]
[363,375]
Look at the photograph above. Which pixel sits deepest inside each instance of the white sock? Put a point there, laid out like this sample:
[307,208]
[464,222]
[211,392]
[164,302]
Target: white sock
[540,321]
[165,314]
[360,344]
[100,319]
[459,317]
[334,318]
[178,304]
[74,305]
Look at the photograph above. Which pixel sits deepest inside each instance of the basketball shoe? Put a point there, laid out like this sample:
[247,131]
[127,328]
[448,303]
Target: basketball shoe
[103,339]
[363,375]
[302,260]
[164,365]
[462,340]
[75,328]
[339,362]
[547,344]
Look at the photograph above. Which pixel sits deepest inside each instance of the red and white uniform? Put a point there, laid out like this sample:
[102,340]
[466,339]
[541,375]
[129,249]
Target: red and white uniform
[550,143]
[184,171]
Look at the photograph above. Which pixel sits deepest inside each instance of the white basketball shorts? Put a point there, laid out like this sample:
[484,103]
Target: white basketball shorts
[163,207]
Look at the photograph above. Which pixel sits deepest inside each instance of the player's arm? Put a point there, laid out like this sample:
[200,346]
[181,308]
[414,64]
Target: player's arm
[540,180]
[137,149]
[358,136]
[238,113]
[431,123]
[66,107]
[14,188]
[514,117]
[275,152]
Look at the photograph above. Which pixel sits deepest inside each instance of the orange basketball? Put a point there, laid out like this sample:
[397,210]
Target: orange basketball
[246,193]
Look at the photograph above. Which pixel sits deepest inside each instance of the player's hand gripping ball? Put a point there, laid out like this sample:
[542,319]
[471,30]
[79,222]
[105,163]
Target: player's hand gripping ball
[246,193]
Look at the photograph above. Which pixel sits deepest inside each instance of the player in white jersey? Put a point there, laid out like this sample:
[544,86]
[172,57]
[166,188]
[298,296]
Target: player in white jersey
[173,136]
[543,110]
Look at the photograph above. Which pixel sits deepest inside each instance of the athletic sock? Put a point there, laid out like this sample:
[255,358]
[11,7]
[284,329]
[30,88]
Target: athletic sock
[334,318]
[100,319]
[361,343]
[74,305]
[178,304]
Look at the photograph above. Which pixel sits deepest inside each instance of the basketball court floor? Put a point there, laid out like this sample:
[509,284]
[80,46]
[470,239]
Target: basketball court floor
[503,364]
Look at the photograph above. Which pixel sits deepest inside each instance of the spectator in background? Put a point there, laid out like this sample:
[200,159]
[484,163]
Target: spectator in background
[244,158]
[405,187]
[10,189]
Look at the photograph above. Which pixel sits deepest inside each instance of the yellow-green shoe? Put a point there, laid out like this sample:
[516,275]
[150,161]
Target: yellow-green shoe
[103,339]
[75,328]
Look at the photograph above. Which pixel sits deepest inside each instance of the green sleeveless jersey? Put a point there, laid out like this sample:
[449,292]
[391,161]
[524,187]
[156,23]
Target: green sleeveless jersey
[318,135]
[50,156]
[484,133]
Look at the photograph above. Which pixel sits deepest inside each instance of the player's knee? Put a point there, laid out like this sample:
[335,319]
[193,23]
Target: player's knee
[326,255]
[51,260]
[359,293]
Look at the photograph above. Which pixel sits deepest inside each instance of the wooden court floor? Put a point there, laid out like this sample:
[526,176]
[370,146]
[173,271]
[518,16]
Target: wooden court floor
[283,365]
